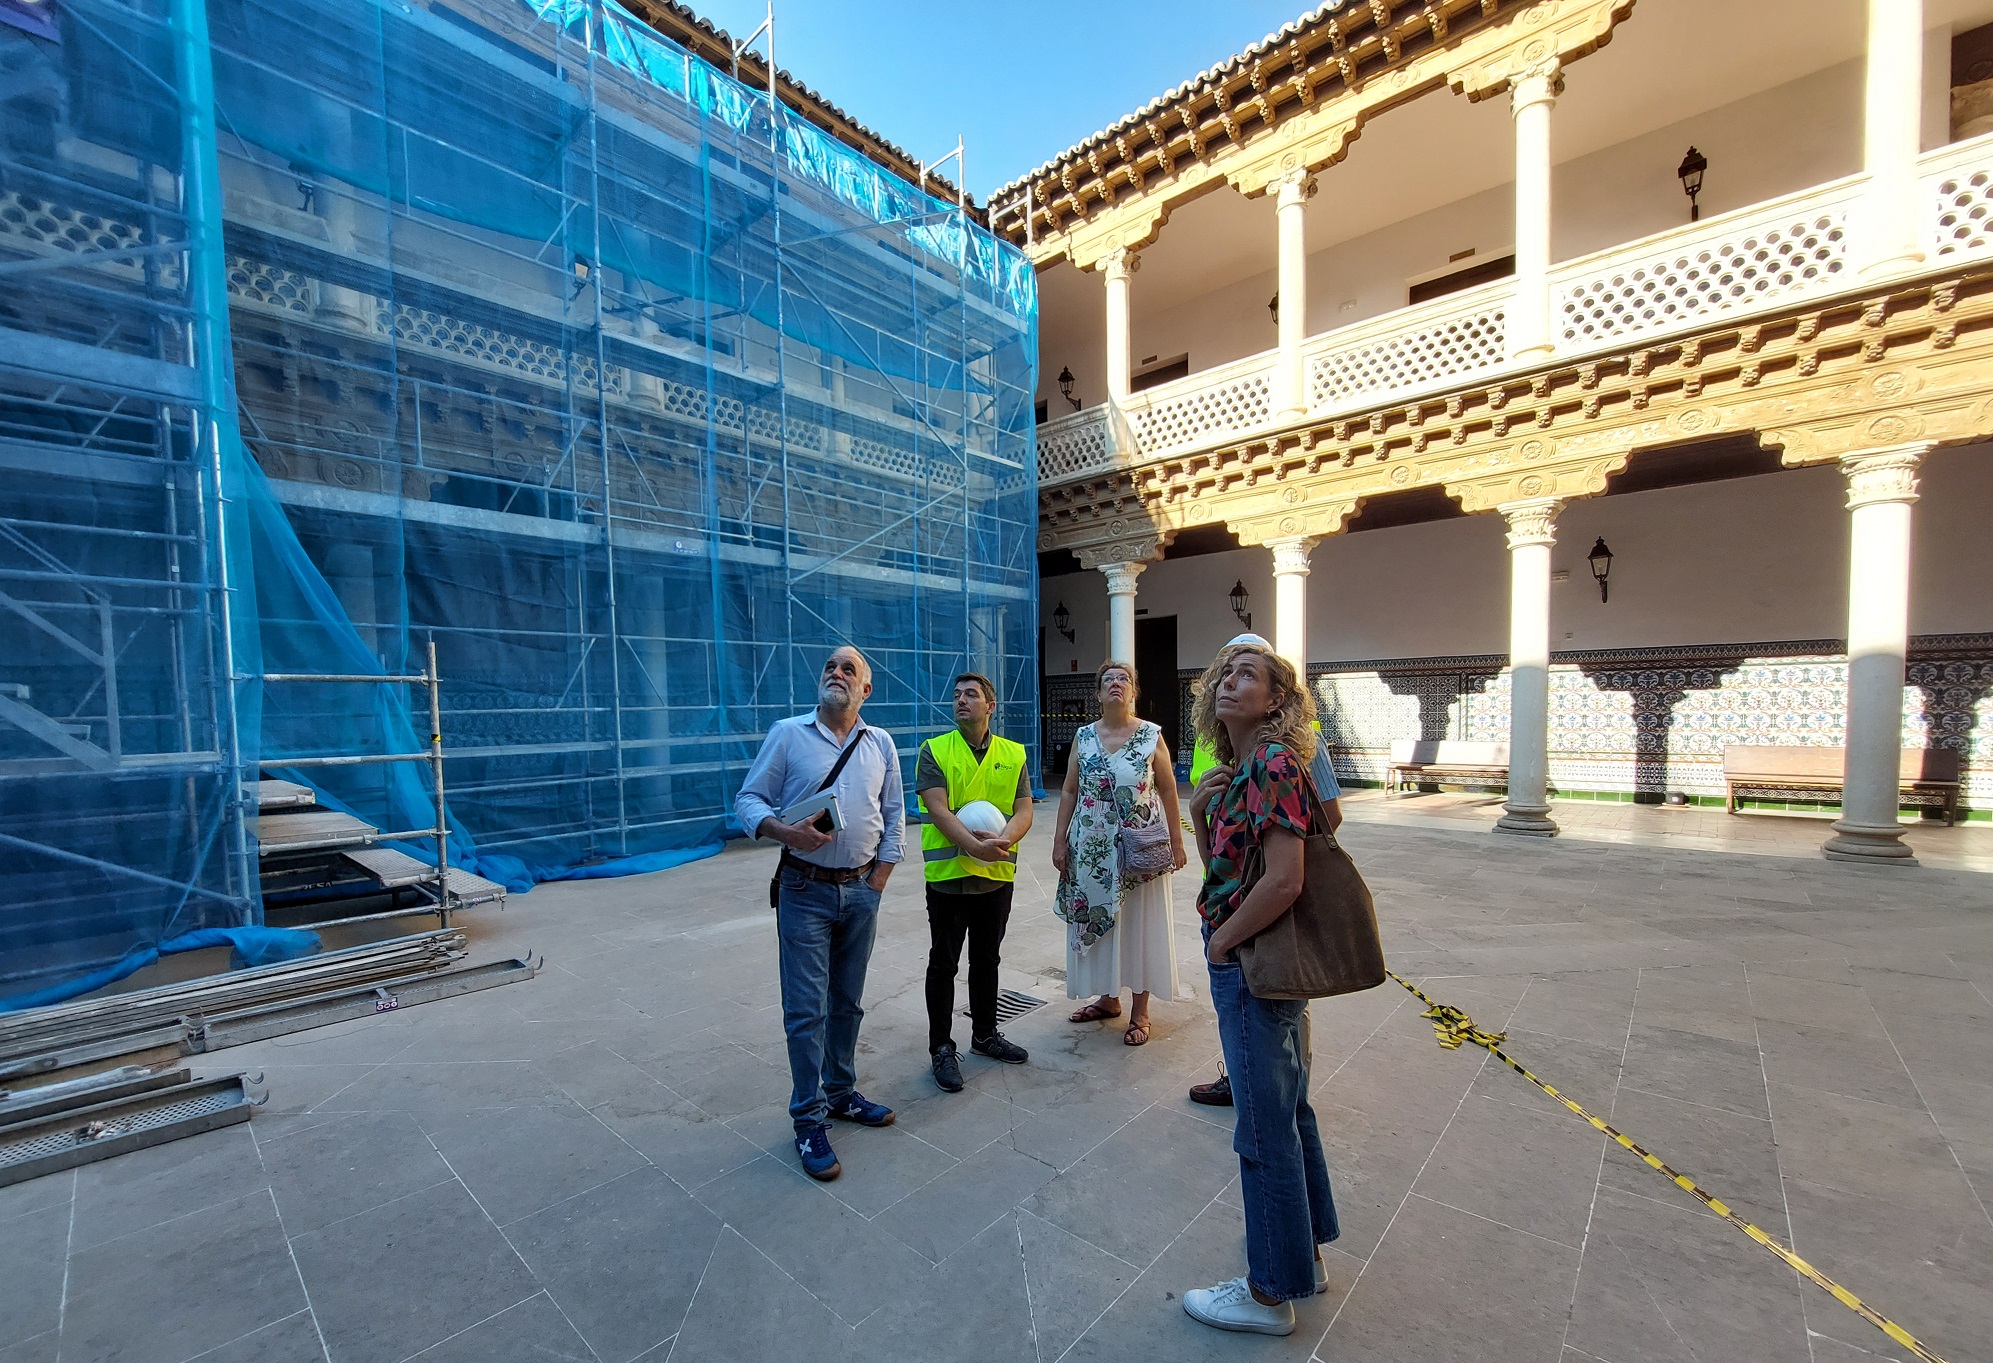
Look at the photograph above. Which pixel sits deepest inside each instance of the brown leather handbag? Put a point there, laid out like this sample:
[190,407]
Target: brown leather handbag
[1327,944]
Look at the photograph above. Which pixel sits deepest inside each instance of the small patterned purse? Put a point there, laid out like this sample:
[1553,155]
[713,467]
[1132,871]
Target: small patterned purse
[1142,851]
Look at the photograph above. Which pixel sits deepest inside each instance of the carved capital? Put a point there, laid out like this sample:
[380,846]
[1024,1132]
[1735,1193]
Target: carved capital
[1533,521]
[1296,187]
[1121,577]
[1119,263]
[1885,475]
[1290,557]
[1539,82]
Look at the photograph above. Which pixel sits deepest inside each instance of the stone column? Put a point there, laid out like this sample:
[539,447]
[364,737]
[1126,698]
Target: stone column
[1121,609]
[1532,530]
[1290,600]
[1531,95]
[1118,266]
[341,307]
[1290,385]
[1890,216]
[1881,486]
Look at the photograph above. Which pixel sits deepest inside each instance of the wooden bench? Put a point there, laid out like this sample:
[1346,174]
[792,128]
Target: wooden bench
[1927,777]
[1416,762]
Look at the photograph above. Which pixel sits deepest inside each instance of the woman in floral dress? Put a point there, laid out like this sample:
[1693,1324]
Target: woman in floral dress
[1117,934]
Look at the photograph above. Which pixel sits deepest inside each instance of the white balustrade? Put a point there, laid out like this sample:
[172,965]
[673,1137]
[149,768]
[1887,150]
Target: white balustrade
[1201,407]
[1957,184]
[1767,255]
[1760,255]
[1409,349]
[1074,445]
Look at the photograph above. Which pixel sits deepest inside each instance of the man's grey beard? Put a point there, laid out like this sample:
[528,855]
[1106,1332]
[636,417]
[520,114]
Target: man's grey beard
[826,697]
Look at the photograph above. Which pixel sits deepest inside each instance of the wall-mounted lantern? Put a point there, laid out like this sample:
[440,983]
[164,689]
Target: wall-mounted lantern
[1062,621]
[1066,386]
[1690,170]
[1601,560]
[1240,600]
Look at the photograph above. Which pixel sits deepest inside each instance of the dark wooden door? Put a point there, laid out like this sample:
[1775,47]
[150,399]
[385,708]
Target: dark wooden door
[1155,667]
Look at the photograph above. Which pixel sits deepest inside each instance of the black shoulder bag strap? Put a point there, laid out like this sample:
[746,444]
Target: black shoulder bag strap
[836,770]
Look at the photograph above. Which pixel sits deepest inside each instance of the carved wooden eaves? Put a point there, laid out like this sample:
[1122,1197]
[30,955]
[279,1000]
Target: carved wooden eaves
[1294,109]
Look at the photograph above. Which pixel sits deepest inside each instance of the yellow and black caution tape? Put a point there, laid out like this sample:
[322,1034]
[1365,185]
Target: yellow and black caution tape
[1453,1028]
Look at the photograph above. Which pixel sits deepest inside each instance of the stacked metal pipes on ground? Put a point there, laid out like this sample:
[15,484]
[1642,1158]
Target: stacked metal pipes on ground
[55,1114]
[59,1037]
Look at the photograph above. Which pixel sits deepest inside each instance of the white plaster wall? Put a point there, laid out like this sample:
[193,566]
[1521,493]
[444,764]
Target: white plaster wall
[1772,143]
[1742,561]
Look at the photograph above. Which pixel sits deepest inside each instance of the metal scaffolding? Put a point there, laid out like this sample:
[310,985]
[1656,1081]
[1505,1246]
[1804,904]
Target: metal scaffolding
[502,323]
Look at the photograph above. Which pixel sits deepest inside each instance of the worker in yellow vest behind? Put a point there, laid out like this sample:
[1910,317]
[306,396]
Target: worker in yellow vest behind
[970,875]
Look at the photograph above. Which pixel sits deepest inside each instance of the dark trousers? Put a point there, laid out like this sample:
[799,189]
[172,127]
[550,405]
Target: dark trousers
[981,918]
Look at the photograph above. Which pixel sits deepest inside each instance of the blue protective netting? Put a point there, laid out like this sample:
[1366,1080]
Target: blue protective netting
[541,341]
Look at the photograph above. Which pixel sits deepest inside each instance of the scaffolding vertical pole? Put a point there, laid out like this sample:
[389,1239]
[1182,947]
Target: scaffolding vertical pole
[602,442]
[709,490]
[207,287]
[962,373]
[781,366]
[434,681]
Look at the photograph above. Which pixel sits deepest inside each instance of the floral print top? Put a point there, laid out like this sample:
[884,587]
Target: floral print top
[1270,791]
[1115,788]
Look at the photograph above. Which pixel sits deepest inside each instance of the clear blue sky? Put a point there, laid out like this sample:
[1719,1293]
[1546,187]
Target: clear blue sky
[1020,80]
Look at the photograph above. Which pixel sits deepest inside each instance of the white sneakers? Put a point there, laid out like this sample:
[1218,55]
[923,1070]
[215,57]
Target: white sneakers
[1232,1306]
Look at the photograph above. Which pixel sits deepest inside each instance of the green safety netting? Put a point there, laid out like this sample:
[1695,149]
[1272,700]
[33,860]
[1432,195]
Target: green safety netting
[334,329]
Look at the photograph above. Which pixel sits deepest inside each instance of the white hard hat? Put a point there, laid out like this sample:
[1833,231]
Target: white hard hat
[1256,641]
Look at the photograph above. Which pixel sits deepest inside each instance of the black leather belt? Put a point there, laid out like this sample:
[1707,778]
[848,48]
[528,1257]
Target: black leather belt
[828,875]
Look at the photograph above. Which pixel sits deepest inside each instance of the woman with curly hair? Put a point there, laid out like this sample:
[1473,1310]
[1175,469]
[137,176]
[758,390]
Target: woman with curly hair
[1259,719]
[1118,929]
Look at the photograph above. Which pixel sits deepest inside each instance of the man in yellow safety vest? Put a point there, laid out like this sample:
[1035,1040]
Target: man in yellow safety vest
[970,875]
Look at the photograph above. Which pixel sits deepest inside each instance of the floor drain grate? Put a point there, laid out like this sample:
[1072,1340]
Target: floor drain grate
[1012,1005]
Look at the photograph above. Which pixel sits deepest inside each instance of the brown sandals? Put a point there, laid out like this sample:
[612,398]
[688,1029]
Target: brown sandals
[1136,1035]
[1095,1012]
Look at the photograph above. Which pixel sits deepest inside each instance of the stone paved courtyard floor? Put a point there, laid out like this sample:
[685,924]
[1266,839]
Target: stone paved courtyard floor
[594,1165]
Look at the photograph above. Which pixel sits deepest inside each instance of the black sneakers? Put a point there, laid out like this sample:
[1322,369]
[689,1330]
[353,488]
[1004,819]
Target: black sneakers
[948,1069]
[997,1046]
[1217,1093]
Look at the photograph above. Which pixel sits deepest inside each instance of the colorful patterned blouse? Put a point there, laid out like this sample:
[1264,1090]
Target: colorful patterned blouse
[1268,792]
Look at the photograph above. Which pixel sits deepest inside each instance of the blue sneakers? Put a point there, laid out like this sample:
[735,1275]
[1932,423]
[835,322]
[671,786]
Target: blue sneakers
[856,1107]
[819,1160]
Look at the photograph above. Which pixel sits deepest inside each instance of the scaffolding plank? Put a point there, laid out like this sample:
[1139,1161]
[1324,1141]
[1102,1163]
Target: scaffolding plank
[284,795]
[96,365]
[392,869]
[391,996]
[162,1043]
[313,829]
[466,889]
[86,1135]
[27,1104]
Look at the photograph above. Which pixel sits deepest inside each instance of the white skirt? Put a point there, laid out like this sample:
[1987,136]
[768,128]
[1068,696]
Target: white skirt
[1138,955]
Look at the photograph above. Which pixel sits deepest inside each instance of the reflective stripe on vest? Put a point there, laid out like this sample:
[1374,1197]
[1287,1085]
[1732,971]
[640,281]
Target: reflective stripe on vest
[994,779]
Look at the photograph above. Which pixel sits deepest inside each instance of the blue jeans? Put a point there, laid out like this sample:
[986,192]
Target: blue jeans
[826,934]
[1283,1176]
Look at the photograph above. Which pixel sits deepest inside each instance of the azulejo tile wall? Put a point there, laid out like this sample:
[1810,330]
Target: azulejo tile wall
[1628,721]
[1653,720]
